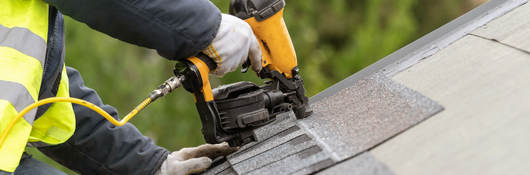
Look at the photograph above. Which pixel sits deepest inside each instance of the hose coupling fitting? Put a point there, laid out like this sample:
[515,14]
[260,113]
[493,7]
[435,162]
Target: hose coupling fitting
[167,87]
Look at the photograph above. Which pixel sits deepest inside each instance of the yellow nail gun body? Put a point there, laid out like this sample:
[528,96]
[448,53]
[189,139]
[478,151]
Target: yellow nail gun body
[230,113]
[276,46]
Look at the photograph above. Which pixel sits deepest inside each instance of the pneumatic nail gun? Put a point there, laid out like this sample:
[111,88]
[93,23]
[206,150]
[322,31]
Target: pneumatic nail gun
[231,112]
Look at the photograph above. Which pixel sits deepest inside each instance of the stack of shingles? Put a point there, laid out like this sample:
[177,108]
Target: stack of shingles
[345,124]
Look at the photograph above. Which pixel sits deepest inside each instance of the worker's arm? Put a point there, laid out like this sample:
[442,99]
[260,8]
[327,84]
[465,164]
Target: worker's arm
[177,29]
[98,147]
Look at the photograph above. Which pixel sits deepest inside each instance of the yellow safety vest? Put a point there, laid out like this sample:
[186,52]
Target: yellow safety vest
[23,38]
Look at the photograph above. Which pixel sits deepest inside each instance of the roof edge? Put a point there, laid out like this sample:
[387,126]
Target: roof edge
[429,44]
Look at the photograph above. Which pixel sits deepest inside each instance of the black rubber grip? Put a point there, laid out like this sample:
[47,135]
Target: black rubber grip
[209,61]
[260,9]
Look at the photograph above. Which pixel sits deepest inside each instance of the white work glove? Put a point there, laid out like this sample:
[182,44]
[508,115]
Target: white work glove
[233,44]
[193,160]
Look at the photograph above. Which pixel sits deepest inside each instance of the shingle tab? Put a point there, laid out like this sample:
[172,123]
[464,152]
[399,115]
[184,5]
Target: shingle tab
[293,163]
[359,117]
[219,169]
[294,146]
[271,143]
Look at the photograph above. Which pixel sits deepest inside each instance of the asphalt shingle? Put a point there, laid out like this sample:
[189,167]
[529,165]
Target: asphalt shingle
[343,125]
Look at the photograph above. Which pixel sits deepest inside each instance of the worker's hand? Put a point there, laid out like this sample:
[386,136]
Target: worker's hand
[193,160]
[233,44]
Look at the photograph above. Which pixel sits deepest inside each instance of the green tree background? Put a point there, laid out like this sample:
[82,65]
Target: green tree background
[333,39]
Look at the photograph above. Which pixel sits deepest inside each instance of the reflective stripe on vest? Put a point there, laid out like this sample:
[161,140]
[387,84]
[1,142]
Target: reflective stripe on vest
[23,38]
[24,41]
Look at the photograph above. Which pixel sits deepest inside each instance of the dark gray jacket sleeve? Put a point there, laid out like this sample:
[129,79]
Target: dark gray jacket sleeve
[177,29]
[98,147]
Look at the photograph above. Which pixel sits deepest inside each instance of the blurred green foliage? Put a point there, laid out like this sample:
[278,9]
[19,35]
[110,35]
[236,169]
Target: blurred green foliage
[333,39]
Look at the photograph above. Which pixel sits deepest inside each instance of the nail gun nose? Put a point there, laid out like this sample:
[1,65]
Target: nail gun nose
[167,87]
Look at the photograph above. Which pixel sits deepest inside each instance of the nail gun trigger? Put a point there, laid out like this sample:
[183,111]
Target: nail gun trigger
[245,66]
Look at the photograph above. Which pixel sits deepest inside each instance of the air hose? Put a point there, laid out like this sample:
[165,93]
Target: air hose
[164,89]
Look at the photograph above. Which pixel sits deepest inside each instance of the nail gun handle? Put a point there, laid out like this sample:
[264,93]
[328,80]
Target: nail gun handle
[196,70]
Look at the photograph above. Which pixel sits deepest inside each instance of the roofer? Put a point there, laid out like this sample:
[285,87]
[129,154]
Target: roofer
[32,68]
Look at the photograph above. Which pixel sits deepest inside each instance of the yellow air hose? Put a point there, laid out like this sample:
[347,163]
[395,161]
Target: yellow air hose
[168,86]
[76,101]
